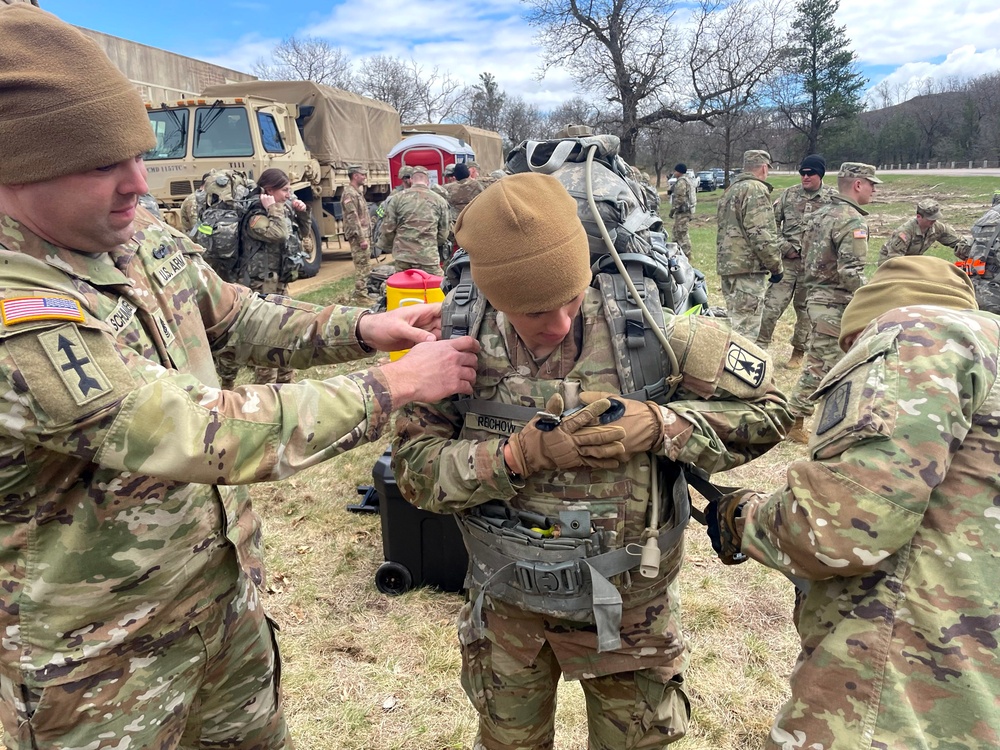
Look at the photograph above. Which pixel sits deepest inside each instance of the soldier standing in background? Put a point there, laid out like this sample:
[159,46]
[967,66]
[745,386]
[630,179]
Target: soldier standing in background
[836,250]
[792,212]
[982,260]
[462,190]
[415,227]
[893,525]
[192,207]
[916,236]
[682,205]
[747,244]
[138,621]
[357,231]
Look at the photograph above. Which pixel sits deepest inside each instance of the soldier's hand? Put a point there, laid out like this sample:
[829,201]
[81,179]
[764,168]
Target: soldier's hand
[401,328]
[578,440]
[266,201]
[776,277]
[671,213]
[432,371]
[720,521]
[641,420]
[298,205]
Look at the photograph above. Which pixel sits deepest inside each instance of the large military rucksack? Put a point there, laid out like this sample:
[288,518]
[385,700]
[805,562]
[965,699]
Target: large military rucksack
[657,268]
[227,197]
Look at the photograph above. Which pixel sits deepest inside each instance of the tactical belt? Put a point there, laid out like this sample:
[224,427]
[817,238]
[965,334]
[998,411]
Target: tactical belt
[557,575]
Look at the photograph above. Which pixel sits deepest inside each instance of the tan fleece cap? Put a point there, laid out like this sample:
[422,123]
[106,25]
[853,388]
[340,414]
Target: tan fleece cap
[905,281]
[64,107]
[527,247]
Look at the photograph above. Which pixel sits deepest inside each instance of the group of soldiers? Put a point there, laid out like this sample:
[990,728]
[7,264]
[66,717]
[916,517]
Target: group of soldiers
[808,248]
[416,219]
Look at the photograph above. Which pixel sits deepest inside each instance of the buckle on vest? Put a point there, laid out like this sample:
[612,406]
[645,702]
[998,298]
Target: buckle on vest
[548,578]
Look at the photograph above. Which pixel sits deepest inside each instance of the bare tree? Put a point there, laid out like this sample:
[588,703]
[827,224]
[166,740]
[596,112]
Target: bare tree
[438,93]
[307,59]
[520,122]
[633,52]
[391,80]
[576,111]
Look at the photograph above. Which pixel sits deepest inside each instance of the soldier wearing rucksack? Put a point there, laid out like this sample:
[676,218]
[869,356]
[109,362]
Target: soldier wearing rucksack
[554,505]
[271,254]
[226,199]
[981,261]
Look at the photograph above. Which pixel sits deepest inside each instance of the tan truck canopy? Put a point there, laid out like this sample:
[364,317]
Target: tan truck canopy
[487,144]
[344,128]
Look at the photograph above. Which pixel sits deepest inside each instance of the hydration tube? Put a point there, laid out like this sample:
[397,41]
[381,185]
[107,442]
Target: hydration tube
[649,564]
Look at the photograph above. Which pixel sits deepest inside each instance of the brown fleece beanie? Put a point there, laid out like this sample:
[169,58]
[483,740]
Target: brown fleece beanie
[528,249]
[64,107]
[904,281]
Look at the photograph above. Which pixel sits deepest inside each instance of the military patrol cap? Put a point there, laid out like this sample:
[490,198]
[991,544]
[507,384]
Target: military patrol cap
[903,281]
[471,164]
[356,169]
[755,158]
[418,170]
[857,169]
[449,170]
[929,209]
[404,172]
[65,107]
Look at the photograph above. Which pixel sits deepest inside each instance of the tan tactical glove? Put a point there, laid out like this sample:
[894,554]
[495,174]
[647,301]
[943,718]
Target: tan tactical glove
[577,440]
[642,422]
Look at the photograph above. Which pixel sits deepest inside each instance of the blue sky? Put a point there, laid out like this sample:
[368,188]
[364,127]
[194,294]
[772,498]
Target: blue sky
[901,42]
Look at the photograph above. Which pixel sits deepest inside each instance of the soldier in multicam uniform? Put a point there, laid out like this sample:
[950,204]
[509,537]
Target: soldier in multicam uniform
[130,607]
[836,250]
[416,226]
[893,526]
[982,260]
[461,192]
[546,343]
[683,203]
[358,230]
[747,244]
[792,212]
[192,207]
[916,236]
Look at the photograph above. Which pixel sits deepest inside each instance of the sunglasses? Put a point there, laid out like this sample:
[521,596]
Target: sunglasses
[807,172]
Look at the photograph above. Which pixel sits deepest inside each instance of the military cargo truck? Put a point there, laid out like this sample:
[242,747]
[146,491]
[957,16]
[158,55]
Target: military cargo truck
[310,131]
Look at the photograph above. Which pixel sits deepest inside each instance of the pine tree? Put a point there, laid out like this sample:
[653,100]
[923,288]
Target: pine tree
[823,86]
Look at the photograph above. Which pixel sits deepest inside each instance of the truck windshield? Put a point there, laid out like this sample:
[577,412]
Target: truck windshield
[221,131]
[170,126]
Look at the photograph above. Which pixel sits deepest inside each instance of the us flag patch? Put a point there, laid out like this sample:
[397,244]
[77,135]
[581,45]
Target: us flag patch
[860,234]
[25,309]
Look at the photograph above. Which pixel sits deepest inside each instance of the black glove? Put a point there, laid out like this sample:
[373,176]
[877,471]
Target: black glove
[671,213]
[720,523]
[776,277]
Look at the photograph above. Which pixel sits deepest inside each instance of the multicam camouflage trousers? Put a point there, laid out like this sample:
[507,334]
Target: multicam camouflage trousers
[228,368]
[362,267]
[792,289]
[744,295]
[434,269]
[681,237]
[211,685]
[821,355]
[637,710]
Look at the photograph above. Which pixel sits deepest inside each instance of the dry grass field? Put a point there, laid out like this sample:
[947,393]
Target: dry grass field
[363,671]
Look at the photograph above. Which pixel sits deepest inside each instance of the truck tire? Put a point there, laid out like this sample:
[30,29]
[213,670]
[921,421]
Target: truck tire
[311,266]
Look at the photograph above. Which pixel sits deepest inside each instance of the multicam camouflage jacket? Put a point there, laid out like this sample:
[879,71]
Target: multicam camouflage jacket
[191,210]
[836,250]
[269,234]
[982,260]
[118,524]
[793,211]
[416,223]
[747,241]
[357,221]
[909,239]
[685,195]
[895,521]
[460,193]
[448,463]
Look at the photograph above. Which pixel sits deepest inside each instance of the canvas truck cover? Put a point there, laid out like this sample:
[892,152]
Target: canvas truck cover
[487,144]
[344,128]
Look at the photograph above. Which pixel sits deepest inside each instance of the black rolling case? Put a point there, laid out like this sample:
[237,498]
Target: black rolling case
[420,548]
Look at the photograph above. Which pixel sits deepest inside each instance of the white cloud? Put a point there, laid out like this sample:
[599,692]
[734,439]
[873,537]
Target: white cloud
[963,63]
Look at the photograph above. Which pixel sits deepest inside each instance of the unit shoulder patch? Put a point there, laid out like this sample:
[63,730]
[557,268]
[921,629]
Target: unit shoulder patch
[745,365]
[834,408]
